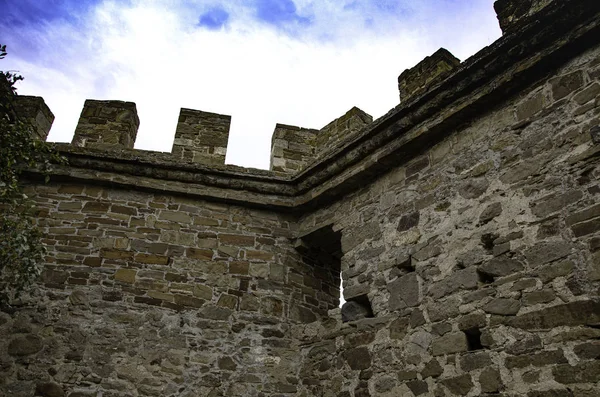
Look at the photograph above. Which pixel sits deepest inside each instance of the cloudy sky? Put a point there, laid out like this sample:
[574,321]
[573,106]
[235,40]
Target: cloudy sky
[299,62]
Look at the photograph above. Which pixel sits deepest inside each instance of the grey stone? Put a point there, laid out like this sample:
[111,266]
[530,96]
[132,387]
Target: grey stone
[490,380]
[432,369]
[503,306]
[405,292]
[25,345]
[408,221]
[547,251]
[460,385]
[454,342]
[582,373]
[476,360]
[358,358]
[501,266]
[490,212]
[49,389]
[473,188]
[461,279]
[576,313]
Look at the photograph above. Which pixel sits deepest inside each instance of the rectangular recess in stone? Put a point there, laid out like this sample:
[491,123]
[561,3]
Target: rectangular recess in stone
[473,339]
[357,308]
[201,137]
[321,251]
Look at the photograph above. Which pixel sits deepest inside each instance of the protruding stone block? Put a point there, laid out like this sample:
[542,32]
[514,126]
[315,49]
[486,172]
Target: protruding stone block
[33,109]
[434,68]
[511,12]
[292,148]
[354,120]
[201,137]
[105,124]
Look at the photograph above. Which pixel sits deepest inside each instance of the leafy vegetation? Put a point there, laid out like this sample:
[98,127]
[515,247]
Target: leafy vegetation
[21,249]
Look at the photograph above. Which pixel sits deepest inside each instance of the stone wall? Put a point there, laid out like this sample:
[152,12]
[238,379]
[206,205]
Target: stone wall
[145,294]
[465,224]
[480,258]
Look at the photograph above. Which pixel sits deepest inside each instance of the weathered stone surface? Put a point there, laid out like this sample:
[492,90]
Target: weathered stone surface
[581,373]
[49,389]
[490,380]
[405,292]
[571,314]
[547,251]
[461,279]
[167,274]
[490,212]
[501,266]
[460,385]
[25,345]
[358,359]
[454,342]
[503,306]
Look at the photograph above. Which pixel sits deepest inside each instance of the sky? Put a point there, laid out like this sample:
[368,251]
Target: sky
[298,62]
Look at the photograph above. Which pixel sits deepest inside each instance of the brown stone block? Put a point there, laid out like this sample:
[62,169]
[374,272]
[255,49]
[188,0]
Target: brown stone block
[239,267]
[115,254]
[125,275]
[236,240]
[564,85]
[259,256]
[93,206]
[121,209]
[186,300]
[151,259]
[197,253]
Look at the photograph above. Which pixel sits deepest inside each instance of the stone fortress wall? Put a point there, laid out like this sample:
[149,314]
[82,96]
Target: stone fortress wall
[465,224]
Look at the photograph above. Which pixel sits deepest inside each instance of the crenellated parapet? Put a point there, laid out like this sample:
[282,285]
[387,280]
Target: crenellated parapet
[434,68]
[512,12]
[34,110]
[105,124]
[201,137]
[293,148]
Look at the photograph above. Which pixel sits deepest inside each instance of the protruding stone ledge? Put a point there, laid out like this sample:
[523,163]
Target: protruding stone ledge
[33,109]
[107,124]
[512,12]
[201,137]
[436,67]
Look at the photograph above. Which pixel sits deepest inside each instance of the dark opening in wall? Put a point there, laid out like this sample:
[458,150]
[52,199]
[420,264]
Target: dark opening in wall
[321,252]
[473,339]
[485,278]
[357,308]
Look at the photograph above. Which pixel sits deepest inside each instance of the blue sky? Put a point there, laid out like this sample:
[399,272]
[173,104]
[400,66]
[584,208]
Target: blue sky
[300,62]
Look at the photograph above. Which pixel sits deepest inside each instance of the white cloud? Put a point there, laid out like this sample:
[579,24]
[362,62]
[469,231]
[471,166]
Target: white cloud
[153,53]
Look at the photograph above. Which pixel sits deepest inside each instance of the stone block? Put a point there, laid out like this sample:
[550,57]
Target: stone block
[513,13]
[405,292]
[106,124]
[454,342]
[585,312]
[503,307]
[460,385]
[432,69]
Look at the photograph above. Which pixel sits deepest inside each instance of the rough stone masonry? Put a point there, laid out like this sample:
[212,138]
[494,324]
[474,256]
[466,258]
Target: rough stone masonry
[465,225]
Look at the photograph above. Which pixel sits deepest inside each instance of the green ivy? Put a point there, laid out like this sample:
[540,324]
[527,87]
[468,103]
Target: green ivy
[21,249]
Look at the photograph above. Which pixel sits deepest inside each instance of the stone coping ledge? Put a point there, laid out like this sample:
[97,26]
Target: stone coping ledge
[518,59]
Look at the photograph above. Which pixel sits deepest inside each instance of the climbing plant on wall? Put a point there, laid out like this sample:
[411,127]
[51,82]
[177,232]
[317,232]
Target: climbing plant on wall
[21,249]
